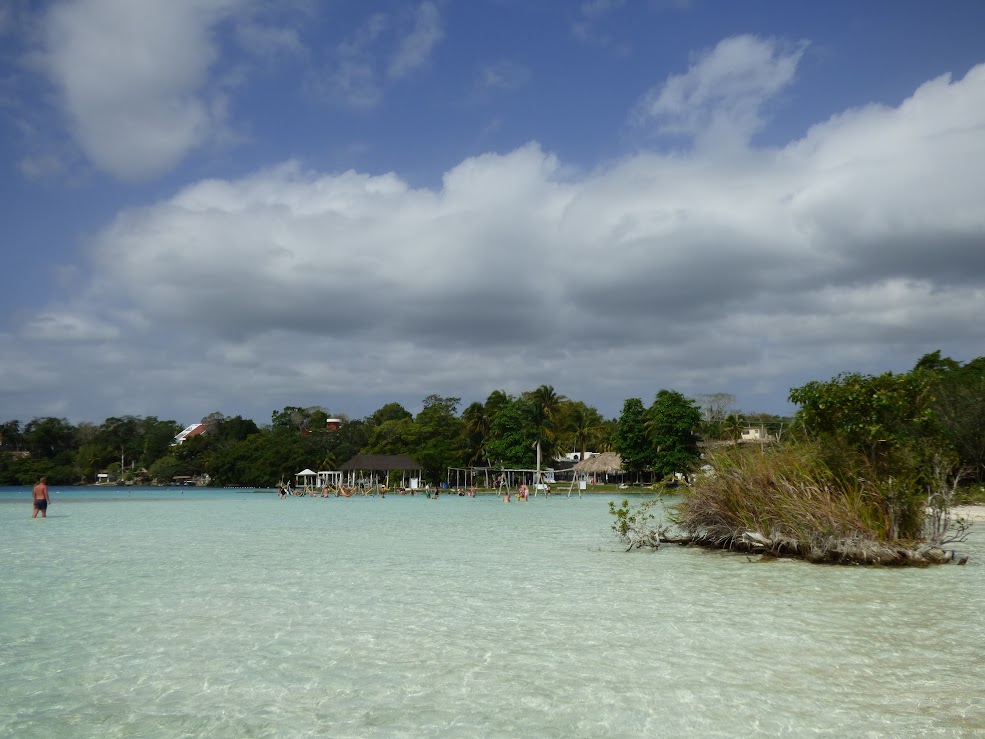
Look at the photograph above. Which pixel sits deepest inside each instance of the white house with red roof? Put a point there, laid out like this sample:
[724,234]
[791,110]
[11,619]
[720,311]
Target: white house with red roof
[194,430]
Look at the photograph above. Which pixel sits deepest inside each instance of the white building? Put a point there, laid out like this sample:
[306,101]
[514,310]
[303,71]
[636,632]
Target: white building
[194,430]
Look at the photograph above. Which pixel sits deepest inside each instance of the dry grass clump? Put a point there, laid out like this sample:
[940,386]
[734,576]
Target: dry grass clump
[800,501]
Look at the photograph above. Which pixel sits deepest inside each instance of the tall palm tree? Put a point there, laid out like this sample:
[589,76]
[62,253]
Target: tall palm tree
[546,412]
[583,424]
[475,426]
[496,400]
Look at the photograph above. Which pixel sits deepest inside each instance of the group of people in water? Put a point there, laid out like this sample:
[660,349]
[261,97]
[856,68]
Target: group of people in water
[523,493]
[41,499]
[341,491]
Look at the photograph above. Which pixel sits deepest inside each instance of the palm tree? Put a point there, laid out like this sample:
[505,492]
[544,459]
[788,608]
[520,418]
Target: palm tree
[475,426]
[496,400]
[545,413]
[583,423]
[732,427]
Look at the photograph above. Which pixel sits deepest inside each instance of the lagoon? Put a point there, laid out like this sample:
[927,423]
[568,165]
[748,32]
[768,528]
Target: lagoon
[165,612]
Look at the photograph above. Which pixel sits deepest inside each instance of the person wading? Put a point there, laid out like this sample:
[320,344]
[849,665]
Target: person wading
[41,498]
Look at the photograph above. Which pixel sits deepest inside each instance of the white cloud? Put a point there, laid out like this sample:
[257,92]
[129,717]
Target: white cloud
[355,76]
[68,327]
[269,41]
[594,9]
[41,167]
[502,75]
[858,246]
[414,49]
[132,78]
[722,94]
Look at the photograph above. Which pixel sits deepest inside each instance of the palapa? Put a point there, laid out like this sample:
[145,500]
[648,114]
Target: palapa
[380,462]
[604,462]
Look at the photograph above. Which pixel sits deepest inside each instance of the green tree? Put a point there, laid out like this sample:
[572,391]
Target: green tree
[497,400]
[164,469]
[582,425]
[156,438]
[887,421]
[344,443]
[959,406]
[475,430]
[877,415]
[234,429]
[10,436]
[396,436]
[390,412]
[295,418]
[732,427]
[512,439]
[49,438]
[672,422]
[715,408]
[439,433]
[631,439]
[545,412]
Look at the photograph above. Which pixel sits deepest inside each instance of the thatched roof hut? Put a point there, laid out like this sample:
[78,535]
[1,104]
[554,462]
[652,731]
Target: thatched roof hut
[372,464]
[604,462]
[380,463]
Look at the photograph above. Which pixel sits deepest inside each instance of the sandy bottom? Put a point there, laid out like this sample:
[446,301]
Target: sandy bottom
[970,512]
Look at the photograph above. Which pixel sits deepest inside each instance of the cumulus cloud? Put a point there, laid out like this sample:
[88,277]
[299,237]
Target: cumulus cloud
[723,92]
[660,270]
[131,77]
[859,245]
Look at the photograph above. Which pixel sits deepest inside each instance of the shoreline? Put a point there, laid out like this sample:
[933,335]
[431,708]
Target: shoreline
[971,513]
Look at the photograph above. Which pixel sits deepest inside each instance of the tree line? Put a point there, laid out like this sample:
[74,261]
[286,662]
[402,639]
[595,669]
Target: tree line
[504,431]
[940,401]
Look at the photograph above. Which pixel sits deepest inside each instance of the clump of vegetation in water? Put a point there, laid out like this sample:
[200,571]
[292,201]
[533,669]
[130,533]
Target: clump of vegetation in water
[797,502]
[637,525]
[870,477]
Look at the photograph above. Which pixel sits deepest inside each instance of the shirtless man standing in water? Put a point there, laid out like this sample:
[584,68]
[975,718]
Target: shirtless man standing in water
[41,498]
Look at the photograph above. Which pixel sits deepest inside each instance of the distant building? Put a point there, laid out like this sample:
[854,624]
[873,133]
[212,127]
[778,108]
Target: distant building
[576,456]
[754,433]
[195,429]
[333,424]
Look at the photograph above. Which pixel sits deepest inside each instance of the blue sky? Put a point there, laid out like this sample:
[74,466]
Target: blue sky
[216,205]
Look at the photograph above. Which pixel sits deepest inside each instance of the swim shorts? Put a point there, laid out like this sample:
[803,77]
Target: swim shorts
[41,504]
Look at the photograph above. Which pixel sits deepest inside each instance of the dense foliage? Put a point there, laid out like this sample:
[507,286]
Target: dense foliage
[904,428]
[869,476]
[503,431]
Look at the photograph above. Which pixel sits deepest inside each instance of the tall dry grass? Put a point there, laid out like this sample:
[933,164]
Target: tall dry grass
[802,499]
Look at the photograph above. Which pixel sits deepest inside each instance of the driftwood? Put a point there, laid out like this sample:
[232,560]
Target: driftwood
[640,527]
[830,551]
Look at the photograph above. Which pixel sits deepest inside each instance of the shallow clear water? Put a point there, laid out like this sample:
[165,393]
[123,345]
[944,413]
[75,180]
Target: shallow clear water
[160,613]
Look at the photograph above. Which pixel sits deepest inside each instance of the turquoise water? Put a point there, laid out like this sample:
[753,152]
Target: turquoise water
[180,612]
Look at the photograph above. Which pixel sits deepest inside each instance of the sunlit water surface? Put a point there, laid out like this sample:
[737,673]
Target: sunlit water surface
[157,613]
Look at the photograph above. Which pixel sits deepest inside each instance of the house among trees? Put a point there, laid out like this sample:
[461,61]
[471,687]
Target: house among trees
[195,429]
